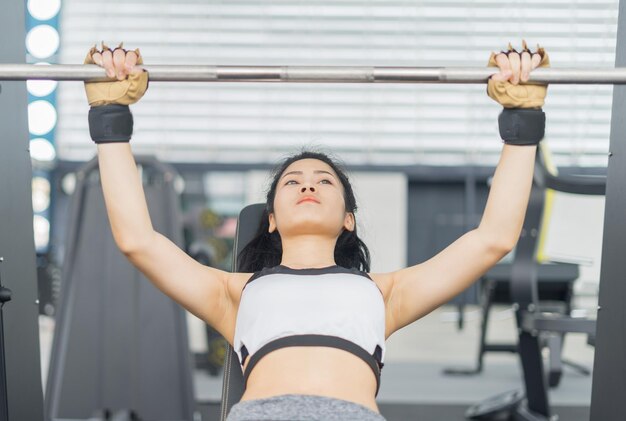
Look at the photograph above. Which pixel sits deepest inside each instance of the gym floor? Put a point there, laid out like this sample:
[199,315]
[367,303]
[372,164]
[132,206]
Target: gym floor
[413,386]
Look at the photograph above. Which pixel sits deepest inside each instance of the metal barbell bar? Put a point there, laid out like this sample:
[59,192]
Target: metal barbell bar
[311,74]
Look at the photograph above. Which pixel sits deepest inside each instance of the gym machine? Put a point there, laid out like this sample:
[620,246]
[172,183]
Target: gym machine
[537,328]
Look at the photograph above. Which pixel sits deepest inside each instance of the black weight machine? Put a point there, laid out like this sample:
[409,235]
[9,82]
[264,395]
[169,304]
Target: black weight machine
[114,329]
[555,282]
[537,328]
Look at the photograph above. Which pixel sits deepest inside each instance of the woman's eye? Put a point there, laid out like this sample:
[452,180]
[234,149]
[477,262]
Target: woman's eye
[326,180]
[290,181]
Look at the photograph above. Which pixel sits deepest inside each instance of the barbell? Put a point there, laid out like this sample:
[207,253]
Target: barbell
[311,74]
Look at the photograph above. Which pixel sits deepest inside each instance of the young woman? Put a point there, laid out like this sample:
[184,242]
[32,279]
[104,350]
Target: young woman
[307,320]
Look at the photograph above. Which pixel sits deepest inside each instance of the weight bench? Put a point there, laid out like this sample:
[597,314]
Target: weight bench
[232,386]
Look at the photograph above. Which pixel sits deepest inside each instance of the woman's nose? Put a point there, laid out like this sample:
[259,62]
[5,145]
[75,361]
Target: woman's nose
[303,189]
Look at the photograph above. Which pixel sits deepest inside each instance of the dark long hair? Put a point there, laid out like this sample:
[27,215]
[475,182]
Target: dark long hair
[265,249]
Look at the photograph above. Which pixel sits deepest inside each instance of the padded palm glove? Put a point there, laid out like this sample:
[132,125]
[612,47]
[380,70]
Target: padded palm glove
[110,119]
[123,92]
[523,95]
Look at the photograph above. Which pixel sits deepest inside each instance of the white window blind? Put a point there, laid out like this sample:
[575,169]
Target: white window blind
[365,123]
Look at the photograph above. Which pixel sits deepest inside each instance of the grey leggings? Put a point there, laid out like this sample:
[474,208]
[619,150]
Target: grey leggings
[301,408]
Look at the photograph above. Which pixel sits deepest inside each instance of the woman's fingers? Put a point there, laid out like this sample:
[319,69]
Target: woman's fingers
[131,62]
[505,68]
[107,63]
[97,58]
[535,60]
[516,67]
[119,60]
[514,62]
[526,62]
[526,66]
[117,63]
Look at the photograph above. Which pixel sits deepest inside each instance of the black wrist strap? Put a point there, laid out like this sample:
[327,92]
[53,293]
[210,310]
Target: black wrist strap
[110,123]
[522,126]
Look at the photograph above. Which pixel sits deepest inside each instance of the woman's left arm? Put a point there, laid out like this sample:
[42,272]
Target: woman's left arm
[504,212]
[417,290]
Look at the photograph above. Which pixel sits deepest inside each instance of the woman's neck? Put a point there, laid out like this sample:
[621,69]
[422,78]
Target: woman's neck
[304,252]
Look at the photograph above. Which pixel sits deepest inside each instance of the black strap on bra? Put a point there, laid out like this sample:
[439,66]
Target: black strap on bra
[374,361]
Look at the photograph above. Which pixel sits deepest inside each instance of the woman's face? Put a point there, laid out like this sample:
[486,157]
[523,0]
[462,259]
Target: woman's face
[309,200]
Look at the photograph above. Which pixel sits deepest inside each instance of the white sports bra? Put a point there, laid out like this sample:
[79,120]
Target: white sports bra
[331,306]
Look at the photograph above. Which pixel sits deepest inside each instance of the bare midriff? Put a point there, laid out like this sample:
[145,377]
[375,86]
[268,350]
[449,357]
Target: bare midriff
[321,371]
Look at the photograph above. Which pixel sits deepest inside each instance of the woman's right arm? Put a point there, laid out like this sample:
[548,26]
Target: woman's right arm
[124,197]
[202,290]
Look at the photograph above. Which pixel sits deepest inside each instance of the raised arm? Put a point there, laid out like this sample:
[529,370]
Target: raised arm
[419,289]
[124,197]
[200,289]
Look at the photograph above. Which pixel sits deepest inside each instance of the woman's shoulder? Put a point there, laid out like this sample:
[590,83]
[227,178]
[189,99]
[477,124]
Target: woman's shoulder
[384,281]
[236,282]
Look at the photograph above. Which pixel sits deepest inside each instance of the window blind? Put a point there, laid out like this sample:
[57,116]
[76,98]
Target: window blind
[382,124]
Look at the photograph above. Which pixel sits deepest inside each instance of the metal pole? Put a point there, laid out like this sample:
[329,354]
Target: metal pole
[19,273]
[311,74]
[609,367]
[5,296]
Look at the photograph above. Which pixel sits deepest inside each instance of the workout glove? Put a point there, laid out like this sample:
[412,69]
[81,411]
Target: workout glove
[522,121]
[523,95]
[110,119]
[123,92]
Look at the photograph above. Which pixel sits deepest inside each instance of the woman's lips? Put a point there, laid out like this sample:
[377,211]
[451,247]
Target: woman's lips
[308,199]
